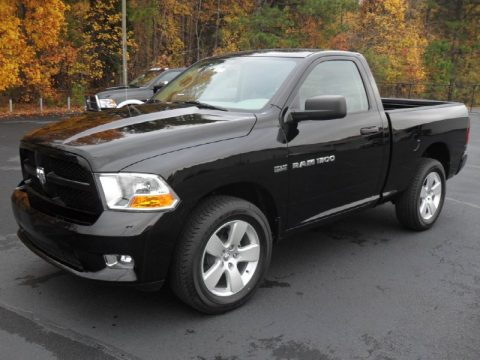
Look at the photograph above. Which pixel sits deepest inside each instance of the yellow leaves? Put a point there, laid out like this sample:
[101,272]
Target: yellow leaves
[396,8]
[30,51]
[384,33]
[102,39]
[39,51]
[11,45]
[44,22]
[43,25]
[232,30]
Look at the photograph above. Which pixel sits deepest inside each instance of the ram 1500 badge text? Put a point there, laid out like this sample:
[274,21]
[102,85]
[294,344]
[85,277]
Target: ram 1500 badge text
[236,153]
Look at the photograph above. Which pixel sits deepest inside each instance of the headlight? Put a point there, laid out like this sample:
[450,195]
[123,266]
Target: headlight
[107,103]
[129,191]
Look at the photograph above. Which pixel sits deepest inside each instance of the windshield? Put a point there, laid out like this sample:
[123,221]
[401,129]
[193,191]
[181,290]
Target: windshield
[167,76]
[243,83]
[145,78]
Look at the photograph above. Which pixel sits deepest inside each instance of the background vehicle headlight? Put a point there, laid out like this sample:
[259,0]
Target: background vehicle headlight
[131,191]
[107,103]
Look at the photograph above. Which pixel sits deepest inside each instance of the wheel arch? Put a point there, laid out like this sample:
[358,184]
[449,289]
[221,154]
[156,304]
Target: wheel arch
[440,152]
[257,195]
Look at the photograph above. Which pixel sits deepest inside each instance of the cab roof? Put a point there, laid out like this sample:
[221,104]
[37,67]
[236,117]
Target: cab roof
[292,53]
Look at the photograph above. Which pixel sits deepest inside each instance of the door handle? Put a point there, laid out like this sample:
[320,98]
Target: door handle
[370,130]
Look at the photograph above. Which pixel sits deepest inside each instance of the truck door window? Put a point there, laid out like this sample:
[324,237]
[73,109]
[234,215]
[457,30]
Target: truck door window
[334,77]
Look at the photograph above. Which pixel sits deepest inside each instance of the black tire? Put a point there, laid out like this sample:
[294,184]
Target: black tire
[408,203]
[186,272]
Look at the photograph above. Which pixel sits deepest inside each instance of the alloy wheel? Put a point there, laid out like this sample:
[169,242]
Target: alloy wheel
[430,196]
[230,258]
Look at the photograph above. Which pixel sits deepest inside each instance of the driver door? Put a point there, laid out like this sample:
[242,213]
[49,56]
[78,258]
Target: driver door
[335,165]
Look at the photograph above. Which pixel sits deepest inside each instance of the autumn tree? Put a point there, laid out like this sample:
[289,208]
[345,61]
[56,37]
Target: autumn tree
[43,25]
[269,27]
[393,43]
[325,23]
[72,75]
[31,49]
[12,45]
[144,16]
[101,53]
[232,28]
[453,54]
[76,44]
[179,32]
[289,23]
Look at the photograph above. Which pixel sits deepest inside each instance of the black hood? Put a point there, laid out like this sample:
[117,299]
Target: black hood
[112,140]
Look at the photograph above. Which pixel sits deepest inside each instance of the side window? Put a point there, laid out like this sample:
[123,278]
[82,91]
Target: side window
[334,77]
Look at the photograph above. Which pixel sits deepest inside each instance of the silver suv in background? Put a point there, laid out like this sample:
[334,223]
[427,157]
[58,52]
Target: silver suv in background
[138,91]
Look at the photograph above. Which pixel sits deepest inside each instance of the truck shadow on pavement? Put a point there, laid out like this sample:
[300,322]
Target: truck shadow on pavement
[291,256]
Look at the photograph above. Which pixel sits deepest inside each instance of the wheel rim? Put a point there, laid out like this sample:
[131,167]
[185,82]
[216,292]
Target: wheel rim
[230,258]
[430,196]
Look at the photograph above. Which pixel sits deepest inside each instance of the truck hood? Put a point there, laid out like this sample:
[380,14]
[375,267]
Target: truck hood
[113,140]
[115,88]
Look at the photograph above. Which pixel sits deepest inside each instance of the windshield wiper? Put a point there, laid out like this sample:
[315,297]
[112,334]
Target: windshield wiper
[202,105]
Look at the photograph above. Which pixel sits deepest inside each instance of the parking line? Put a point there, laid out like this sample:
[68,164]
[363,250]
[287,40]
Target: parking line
[475,206]
[10,168]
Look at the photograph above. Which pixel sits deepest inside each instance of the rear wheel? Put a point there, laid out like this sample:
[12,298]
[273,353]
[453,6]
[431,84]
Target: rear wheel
[420,205]
[222,255]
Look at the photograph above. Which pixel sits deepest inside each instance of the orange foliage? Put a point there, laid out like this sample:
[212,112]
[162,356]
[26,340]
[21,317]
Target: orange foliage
[393,44]
[42,28]
[12,45]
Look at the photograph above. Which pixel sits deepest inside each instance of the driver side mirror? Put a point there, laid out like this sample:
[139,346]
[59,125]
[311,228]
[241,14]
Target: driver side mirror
[160,85]
[324,107]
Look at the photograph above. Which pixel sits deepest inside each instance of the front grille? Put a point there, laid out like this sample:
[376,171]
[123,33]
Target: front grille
[91,103]
[69,170]
[69,189]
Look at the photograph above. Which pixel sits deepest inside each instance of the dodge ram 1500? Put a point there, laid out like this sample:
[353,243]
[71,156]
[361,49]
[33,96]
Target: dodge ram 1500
[234,154]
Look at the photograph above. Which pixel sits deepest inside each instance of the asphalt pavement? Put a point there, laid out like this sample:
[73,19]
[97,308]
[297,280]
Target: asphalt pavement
[362,288]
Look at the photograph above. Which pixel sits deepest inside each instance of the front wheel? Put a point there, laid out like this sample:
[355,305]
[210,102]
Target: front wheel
[222,255]
[419,206]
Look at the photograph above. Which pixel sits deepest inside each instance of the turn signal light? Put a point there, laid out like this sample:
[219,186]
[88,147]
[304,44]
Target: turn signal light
[152,201]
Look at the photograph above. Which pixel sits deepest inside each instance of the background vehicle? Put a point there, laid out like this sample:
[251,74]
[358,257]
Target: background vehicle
[234,154]
[139,90]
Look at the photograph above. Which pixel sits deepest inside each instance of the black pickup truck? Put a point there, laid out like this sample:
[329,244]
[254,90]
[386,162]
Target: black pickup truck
[236,153]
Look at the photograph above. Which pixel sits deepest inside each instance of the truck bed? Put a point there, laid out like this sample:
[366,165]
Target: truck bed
[390,104]
[420,127]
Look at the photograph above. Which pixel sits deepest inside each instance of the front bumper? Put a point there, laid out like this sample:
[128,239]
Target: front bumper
[147,237]
[105,274]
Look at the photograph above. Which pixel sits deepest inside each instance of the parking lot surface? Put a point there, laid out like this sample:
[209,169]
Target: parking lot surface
[360,288]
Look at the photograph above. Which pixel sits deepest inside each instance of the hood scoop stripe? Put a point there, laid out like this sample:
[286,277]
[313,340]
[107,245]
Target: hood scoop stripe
[129,122]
